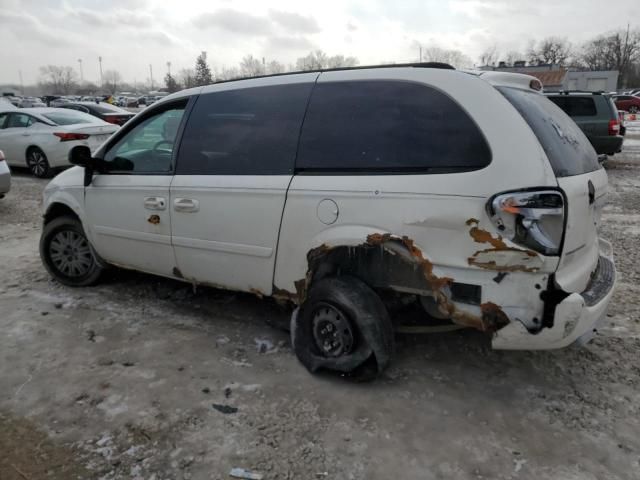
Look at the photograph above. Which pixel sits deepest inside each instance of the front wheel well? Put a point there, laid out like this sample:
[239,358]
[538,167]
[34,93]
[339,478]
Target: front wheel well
[57,210]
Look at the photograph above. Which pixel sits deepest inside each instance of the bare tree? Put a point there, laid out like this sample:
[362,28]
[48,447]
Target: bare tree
[453,57]
[187,77]
[275,66]
[551,50]
[316,60]
[111,79]
[229,73]
[616,51]
[58,79]
[340,61]
[251,67]
[512,57]
[489,56]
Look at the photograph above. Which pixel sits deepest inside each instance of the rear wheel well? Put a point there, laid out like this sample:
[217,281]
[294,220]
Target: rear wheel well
[59,210]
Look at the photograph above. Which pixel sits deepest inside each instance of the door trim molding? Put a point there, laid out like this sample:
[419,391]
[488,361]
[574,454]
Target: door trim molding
[239,248]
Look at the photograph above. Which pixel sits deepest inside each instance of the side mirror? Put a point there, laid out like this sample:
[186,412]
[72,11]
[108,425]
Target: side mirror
[602,159]
[80,156]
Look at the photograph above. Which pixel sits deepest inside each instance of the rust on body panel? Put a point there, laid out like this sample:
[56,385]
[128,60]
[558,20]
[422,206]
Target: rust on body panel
[500,258]
[404,250]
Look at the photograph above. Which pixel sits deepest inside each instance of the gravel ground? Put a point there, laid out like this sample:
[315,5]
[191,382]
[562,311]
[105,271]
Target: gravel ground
[142,378]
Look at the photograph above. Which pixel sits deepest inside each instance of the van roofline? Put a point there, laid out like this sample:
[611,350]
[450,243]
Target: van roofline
[437,65]
[198,90]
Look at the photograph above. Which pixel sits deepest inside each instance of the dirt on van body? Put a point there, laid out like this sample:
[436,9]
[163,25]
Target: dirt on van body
[142,378]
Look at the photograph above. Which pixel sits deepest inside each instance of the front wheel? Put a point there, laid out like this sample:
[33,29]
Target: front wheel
[67,254]
[38,163]
[344,327]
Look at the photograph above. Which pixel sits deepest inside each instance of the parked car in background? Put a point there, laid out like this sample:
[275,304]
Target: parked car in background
[596,115]
[41,138]
[127,102]
[5,176]
[58,102]
[417,184]
[628,103]
[104,111]
[31,102]
[147,100]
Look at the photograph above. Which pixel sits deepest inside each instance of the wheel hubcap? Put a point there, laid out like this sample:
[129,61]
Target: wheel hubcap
[38,163]
[70,253]
[331,331]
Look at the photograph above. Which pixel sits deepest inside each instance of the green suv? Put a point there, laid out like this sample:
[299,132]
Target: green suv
[596,115]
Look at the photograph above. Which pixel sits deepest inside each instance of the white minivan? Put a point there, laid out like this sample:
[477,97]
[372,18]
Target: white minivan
[343,191]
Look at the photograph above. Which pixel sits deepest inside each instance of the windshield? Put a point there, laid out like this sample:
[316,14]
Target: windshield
[70,118]
[567,148]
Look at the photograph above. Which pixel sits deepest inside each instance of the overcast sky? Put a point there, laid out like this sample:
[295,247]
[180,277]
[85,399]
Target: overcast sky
[131,34]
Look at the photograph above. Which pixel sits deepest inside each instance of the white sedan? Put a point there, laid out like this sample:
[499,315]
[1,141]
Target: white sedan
[42,138]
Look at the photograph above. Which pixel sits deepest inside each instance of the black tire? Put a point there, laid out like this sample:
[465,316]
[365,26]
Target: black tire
[67,254]
[365,344]
[38,163]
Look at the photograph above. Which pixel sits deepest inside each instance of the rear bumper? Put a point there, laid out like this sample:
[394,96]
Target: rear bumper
[576,319]
[607,145]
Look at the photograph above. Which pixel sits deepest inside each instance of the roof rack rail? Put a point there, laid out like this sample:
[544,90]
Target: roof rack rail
[567,92]
[437,65]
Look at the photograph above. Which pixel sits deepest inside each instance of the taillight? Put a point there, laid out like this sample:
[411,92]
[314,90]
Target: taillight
[67,137]
[614,127]
[532,219]
[112,119]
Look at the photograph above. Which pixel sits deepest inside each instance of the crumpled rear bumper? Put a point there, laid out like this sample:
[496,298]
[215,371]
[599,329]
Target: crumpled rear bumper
[576,318]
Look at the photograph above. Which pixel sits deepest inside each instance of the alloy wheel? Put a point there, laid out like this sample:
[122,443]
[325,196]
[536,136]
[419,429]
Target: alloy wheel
[38,163]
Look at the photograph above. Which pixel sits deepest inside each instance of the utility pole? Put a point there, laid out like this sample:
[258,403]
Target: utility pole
[151,76]
[420,50]
[21,83]
[100,62]
[169,68]
[81,75]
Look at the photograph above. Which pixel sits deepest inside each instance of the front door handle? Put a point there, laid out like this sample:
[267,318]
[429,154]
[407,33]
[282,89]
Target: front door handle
[155,203]
[186,205]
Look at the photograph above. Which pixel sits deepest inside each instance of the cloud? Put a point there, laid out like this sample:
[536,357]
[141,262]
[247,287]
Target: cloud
[296,43]
[158,37]
[234,21]
[19,23]
[110,19]
[294,22]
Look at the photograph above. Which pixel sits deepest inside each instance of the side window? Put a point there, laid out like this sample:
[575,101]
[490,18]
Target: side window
[388,126]
[148,146]
[19,120]
[249,131]
[581,107]
[3,120]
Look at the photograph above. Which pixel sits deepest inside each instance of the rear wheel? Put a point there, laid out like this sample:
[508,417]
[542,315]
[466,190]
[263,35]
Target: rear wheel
[633,109]
[38,163]
[67,254]
[343,326]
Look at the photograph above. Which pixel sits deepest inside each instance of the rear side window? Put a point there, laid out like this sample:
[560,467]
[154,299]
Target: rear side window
[389,127]
[250,131]
[576,106]
[567,148]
